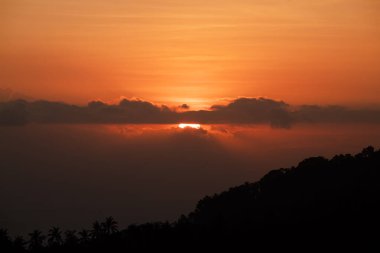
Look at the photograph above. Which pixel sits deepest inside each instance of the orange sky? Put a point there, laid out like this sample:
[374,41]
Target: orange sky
[195,52]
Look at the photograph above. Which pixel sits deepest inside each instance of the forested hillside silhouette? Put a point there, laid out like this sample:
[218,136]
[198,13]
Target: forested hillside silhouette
[319,205]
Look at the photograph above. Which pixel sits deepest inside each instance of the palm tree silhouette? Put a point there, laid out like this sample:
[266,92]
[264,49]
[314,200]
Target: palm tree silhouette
[84,236]
[109,225]
[36,240]
[55,237]
[97,230]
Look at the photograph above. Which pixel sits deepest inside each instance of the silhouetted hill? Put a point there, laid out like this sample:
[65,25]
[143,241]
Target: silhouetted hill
[320,205]
[316,190]
[322,202]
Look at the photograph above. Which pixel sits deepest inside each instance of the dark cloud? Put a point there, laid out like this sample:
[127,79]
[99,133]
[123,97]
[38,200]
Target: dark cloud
[184,107]
[239,111]
[335,114]
[252,110]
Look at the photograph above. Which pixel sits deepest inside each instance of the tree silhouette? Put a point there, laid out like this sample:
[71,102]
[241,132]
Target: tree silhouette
[84,236]
[97,230]
[55,237]
[109,226]
[36,240]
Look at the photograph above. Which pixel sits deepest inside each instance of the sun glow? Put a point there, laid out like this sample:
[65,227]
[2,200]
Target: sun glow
[195,126]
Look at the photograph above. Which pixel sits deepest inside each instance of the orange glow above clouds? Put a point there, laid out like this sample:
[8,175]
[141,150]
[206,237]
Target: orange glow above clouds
[192,52]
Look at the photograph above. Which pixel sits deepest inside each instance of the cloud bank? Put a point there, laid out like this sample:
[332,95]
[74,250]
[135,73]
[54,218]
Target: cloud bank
[239,111]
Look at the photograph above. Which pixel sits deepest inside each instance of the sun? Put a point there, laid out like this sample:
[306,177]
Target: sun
[185,125]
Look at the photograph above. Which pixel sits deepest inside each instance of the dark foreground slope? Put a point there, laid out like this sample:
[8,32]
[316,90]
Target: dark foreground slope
[320,205]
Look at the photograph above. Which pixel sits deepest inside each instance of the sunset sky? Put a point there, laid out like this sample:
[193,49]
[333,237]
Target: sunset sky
[92,92]
[195,52]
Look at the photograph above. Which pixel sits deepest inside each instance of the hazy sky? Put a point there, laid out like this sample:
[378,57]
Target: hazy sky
[195,52]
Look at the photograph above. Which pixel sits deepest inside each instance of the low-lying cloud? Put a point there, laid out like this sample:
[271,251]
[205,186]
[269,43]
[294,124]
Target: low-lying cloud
[239,111]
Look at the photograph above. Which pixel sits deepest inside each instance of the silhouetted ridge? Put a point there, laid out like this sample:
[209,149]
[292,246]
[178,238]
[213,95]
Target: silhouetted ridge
[320,205]
[316,189]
